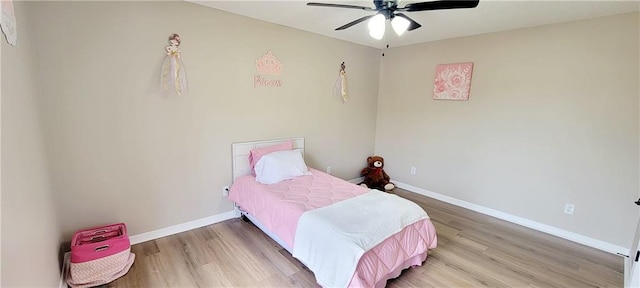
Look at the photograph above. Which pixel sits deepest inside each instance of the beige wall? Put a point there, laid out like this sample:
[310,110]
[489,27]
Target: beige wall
[31,232]
[0,166]
[121,152]
[552,119]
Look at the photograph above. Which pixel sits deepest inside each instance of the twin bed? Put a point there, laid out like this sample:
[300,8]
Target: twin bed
[348,235]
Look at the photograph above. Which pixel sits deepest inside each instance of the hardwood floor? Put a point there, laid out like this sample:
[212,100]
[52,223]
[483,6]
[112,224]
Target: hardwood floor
[473,250]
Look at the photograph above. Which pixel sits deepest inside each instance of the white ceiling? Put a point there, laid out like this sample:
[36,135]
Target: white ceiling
[489,16]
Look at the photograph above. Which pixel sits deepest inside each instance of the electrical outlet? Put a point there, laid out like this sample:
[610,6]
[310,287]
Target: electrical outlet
[329,170]
[568,209]
[413,170]
[225,191]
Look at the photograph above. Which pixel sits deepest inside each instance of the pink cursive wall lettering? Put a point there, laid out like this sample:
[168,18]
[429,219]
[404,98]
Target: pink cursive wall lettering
[259,81]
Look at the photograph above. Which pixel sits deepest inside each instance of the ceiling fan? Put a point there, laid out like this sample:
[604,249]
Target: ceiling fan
[387,10]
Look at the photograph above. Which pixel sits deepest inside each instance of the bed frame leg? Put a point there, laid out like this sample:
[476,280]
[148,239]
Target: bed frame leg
[244,218]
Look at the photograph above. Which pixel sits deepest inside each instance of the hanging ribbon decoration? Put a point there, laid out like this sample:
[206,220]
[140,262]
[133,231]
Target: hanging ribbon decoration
[173,76]
[340,88]
[8,21]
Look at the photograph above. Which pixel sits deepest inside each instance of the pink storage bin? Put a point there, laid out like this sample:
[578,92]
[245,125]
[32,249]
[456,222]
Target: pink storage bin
[99,255]
[99,242]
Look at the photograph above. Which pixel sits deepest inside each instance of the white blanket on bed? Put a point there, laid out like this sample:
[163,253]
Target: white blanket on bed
[330,240]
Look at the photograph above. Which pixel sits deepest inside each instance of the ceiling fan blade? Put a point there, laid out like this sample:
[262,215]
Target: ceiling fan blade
[438,5]
[413,24]
[340,6]
[345,26]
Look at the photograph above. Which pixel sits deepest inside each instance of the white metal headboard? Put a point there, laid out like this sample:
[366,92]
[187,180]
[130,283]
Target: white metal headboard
[240,153]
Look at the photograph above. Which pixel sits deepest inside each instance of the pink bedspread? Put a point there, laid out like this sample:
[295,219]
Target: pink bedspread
[278,207]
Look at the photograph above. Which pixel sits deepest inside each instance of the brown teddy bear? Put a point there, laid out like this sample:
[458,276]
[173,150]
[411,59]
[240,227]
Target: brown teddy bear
[374,175]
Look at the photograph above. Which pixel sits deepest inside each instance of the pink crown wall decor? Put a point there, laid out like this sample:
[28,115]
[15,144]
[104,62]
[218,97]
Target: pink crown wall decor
[268,65]
[452,81]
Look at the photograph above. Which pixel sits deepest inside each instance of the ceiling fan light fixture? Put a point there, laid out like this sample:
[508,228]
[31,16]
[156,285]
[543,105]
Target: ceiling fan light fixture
[400,24]
[377,26]
[389,9]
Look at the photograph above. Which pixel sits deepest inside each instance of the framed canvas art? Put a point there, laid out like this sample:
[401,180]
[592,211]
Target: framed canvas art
[452,81]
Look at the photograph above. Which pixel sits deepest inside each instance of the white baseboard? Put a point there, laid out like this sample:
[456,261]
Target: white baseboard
[627,271]
[595,243]
[175,229]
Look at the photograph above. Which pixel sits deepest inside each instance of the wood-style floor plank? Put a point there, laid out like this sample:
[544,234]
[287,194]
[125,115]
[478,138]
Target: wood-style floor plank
[473,250]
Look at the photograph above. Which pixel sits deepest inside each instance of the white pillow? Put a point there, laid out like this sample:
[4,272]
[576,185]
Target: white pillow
[280,165]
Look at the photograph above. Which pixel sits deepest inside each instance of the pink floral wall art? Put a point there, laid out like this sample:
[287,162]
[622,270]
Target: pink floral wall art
[452,81]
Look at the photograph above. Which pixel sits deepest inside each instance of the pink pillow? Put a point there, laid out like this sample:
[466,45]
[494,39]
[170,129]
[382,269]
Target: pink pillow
[256,154]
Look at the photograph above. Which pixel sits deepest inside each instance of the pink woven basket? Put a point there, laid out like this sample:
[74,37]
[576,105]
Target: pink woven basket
[99,255]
